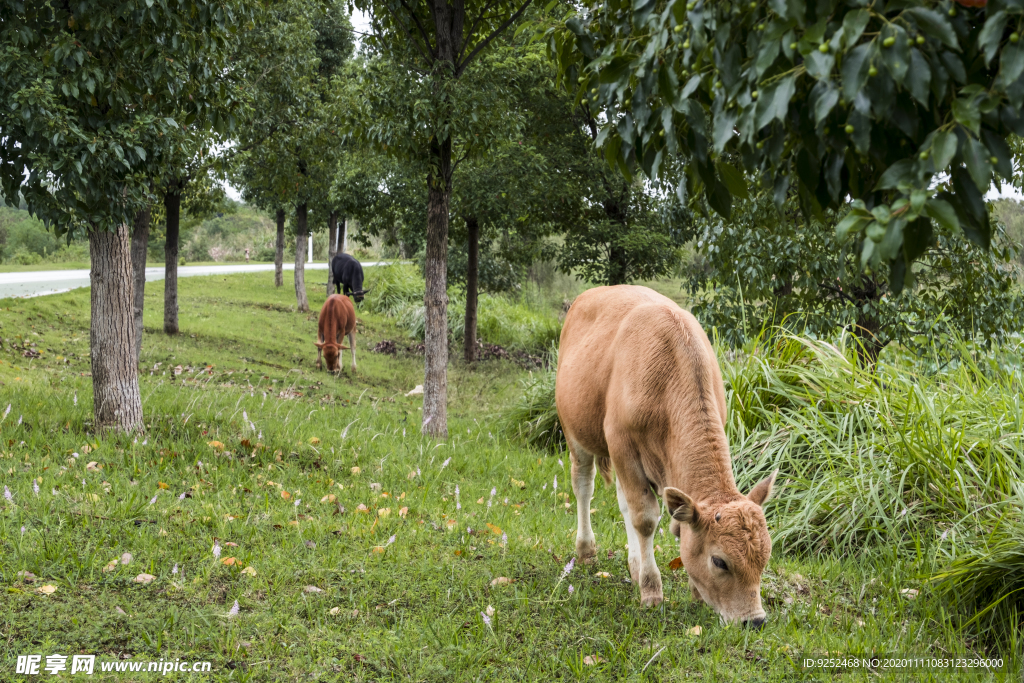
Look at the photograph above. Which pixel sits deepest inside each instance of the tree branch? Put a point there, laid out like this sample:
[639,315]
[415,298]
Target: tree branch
[423,33]
[472,29]
[839,292]
[508,22]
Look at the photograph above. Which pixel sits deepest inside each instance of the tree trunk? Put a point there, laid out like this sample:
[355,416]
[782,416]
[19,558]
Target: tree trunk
[117,403]
[332,248]
[435,382]
[279,253]
[343,234]
[140,240]
[472,286]
[301,236]
[870,346]
[172,207]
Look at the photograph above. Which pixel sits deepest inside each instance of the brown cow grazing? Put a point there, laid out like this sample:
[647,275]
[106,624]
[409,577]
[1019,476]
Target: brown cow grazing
[639,391]
[337,319]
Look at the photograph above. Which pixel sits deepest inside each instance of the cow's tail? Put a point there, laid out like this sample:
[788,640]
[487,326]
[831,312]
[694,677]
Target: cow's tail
[604,466]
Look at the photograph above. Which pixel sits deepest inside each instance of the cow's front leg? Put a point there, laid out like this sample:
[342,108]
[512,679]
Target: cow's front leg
[641,512]
[319,353]
[583,471]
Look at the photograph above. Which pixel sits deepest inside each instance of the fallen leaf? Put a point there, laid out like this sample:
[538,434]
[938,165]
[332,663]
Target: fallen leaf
[285,495]
[229,543]
[403,512]
[47,589]
[93,497]
[86,448]
[375,486]
[480,501]
[489,611]
[26,576]
[216,445]
[603,575]
[249,571]
[411,475]
[294,522]
[501,581]
[229,517]
[416,391]
[120,611]
[178,370]
[592,660]
[334,610]
[362,508]
[675,564]
[384,512]
[695,631]
[379,549]
[495,529]
[329,498]
[110,566]
[161,485]
[516,482]
[92,467]
[230,561]
[356,470]
[311,545]
[909,593]
[313,589]
[314,441]
[144,578]
[126,558]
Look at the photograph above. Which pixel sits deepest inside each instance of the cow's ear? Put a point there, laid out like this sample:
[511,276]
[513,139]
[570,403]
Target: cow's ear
[682,508]
[763,491]
[319,345]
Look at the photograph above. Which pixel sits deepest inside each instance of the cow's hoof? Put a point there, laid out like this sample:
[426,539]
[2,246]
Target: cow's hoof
[586,551]
[652,600]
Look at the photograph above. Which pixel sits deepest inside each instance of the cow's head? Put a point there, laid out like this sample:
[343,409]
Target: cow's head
[332,355]
[724,548]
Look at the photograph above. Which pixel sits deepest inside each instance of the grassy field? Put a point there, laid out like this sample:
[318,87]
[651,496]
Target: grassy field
[353,548]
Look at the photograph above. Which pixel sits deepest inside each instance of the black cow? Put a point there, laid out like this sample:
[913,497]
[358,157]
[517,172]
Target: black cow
[347,271]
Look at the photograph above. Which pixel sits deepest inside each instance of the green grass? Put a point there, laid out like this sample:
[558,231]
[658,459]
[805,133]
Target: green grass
[411,612]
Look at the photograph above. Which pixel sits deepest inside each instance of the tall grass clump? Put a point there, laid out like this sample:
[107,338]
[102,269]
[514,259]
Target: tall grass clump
[533,419]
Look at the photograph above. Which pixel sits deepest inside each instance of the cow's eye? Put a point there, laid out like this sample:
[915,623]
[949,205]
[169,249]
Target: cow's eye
[720,563]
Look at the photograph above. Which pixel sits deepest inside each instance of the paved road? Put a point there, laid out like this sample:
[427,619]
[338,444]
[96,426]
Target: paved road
[40,282]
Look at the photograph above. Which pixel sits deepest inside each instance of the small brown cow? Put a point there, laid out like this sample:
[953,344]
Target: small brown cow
[639,391]
[337,319]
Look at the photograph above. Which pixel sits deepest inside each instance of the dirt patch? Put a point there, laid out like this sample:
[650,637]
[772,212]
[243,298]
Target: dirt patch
[387,347]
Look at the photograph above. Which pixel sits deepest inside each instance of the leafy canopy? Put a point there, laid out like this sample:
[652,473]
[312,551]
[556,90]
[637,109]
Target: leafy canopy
[872,101]
[92,91]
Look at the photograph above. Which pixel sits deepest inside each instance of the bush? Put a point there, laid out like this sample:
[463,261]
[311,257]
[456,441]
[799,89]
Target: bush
[397,291]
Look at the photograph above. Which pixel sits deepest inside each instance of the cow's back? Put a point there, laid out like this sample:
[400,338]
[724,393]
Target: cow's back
[632,361]
[337,318]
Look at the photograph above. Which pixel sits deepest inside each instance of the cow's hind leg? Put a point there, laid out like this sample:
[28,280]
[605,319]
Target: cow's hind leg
[583,471]
[641,512]
[352,345]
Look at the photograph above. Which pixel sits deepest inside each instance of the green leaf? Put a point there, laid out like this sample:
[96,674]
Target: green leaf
[774,104]
[920,77]
[854,24]
[855,70]
[933,24]
[734,180]
[1011,64]
[900,173]
[853,223]
[896,57]
[977,158]
[617,70]
[966,112]
[942,213]
[917,235]
[892,241]
[824,97]
[943,149]
[991,34]
[819,65]
[1001,151]
[723,129]
[718,197]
